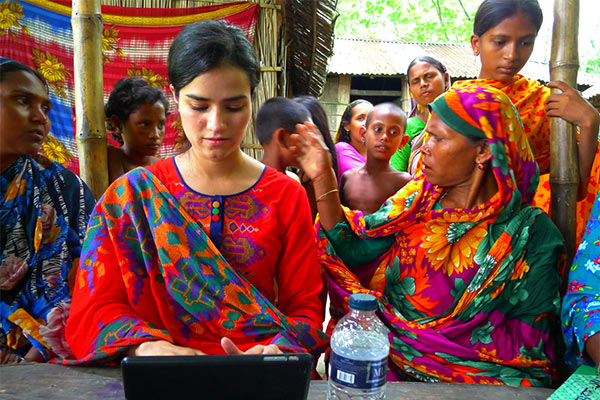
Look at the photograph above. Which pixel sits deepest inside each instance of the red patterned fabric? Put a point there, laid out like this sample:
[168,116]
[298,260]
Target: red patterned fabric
[150,271]
[261,232]
[135,42]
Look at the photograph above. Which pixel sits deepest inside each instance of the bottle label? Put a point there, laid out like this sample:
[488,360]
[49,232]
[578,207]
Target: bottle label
[357,374]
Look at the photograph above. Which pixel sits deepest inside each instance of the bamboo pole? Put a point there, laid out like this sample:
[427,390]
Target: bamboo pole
[87,61]
[564,166]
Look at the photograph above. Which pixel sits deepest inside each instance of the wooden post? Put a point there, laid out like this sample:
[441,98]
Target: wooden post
[564,165]
[87,60]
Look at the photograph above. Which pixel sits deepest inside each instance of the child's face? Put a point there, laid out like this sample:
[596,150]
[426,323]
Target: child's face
[357,123]
[145,128]
[505,48]
[385,133]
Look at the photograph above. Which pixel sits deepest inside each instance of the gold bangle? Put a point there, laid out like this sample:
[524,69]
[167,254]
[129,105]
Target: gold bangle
[325,194]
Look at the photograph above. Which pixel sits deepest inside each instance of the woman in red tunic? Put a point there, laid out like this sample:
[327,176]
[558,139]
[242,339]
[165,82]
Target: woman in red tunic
[207,252]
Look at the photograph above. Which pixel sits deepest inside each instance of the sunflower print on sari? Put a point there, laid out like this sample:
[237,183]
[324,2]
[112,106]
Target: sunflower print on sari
[154,79]
[54,150]
[451,245]
[443,303]
[110,37]
[10,15]
[52,70]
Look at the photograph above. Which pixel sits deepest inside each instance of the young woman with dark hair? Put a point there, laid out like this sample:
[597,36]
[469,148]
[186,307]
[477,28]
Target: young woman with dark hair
[209,251]
[350,138]
[504,34]
[427,79]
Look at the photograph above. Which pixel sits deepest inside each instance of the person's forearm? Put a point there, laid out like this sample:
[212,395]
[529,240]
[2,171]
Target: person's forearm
[588,142]
[328,200]
[592,347]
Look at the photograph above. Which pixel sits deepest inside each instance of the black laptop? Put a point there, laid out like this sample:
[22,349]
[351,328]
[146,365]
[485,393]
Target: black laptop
[227,377]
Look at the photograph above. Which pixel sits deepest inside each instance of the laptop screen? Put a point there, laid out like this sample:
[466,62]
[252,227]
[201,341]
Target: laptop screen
[226,377]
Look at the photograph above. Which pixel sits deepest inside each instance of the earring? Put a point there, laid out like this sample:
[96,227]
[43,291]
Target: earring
[480,166]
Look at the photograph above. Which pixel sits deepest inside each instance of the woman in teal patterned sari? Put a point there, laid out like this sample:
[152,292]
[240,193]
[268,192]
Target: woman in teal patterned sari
[581,305]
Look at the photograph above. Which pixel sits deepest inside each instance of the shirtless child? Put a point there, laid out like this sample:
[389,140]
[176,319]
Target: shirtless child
[368,187]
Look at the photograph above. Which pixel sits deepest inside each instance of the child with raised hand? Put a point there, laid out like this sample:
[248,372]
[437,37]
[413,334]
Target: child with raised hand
[368,187]
[136,113]
[504,33]
[275,121]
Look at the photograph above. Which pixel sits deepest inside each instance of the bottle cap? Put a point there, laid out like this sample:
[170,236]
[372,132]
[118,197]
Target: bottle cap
[363,302]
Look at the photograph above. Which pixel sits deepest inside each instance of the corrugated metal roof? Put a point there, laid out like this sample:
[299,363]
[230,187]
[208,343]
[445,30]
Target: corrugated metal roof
[592,91]
[378,57]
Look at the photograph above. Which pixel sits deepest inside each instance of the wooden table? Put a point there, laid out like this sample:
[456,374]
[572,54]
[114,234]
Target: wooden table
[56,382]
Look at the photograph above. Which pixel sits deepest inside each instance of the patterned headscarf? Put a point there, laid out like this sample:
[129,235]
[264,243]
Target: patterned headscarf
[529,97]
[480,114]
[469,109]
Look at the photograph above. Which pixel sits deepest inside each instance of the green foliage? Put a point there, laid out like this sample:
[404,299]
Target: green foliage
[590,61]
[441,21]
[407,20]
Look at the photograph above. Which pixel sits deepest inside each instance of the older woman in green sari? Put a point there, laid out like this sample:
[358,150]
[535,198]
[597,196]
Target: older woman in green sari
[465,269]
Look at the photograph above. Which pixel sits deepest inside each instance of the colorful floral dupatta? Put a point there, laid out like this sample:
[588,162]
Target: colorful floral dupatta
[468,295]
[149,272]
[529,98]
[43,220]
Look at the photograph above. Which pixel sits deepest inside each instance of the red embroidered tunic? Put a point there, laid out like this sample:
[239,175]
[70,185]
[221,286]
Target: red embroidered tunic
[264,232]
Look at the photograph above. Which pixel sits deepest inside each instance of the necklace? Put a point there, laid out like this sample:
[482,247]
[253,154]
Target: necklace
[442,197]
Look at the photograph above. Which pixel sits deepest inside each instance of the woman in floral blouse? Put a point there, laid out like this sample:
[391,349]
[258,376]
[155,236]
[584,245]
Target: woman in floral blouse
[581,304]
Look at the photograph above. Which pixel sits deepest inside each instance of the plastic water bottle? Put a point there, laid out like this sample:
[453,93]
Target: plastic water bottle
[360,348]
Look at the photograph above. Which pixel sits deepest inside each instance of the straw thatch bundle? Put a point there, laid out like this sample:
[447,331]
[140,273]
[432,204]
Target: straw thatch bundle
[309,30]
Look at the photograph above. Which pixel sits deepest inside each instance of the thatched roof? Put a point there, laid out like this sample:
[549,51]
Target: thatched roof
[309,31]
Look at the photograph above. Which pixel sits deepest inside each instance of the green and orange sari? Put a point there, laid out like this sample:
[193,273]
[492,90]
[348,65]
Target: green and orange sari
[468,295]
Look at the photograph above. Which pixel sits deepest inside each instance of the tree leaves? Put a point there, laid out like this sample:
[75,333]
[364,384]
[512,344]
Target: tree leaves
[407,20]
[435,21]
